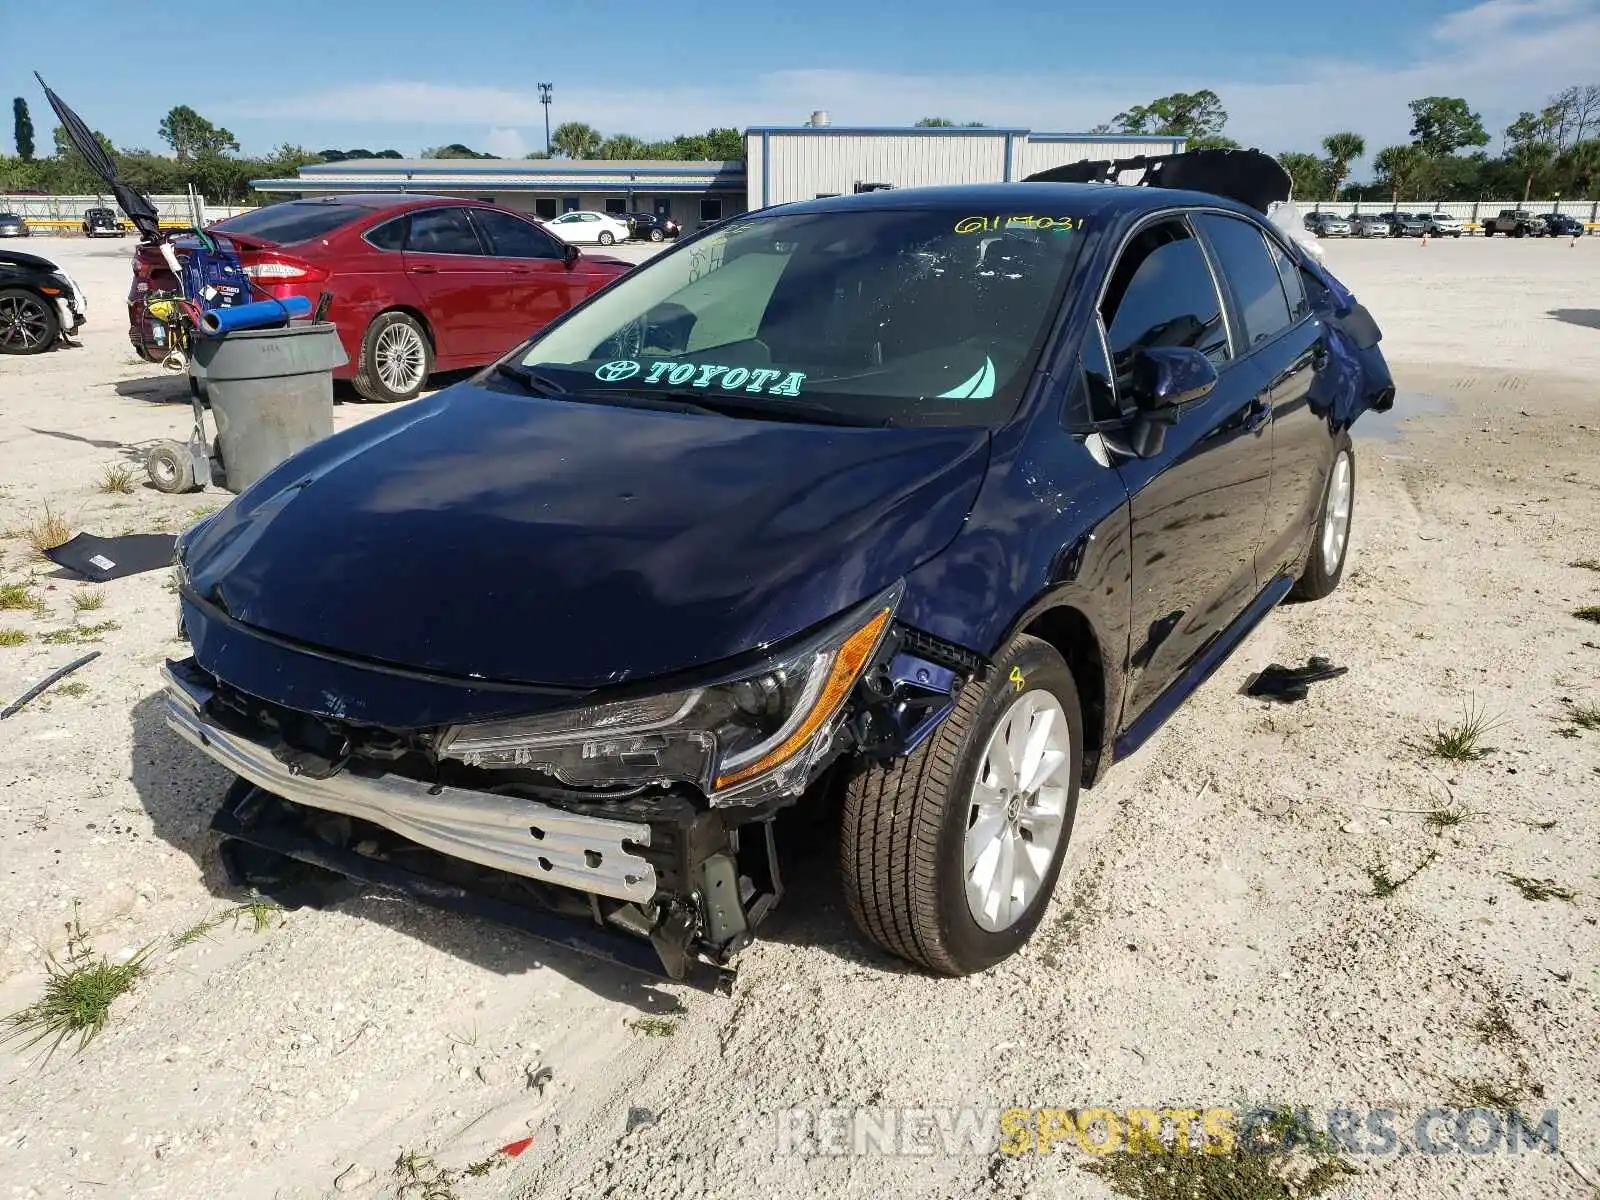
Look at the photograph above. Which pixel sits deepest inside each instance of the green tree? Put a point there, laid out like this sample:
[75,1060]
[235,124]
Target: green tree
[537,154]
[189,134]
[1308,173]
[22,129]
[1182,114]
[622,145]
[1212,141]
[1530,149]
[388,154]
[934,123]
[1444,124]
[453,150]
[716,145]
[1400,167]
[1342,149]
[576,140]
[1580,167]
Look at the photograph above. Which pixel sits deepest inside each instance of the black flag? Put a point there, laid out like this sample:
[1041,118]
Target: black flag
[139,209]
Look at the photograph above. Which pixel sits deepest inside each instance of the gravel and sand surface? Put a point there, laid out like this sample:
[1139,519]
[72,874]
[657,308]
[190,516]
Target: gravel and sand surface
[1268,904]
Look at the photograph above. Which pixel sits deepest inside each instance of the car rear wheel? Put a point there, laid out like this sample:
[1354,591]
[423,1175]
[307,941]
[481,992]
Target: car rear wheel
[948,857]
[656,235]
[605,237]
[396,359]
[1325,566]
[28,322]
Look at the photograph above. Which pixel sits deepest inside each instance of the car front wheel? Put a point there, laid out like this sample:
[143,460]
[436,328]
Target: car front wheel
[28,323]
[948,857]
[656,235]
[605,237]
[396,359]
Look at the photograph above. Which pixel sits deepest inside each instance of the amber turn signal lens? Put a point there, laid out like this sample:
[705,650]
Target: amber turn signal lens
[848,664]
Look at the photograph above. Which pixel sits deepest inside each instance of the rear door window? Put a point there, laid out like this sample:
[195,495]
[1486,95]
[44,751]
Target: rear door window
[293,221]
[512,237]
[1161,293]
[442,231]
[1248,267]
[1293,287]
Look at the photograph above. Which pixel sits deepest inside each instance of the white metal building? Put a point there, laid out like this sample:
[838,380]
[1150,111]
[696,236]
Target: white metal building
[800,162]
[782,164]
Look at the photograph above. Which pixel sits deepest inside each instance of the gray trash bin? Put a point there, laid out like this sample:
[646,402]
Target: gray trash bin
[271,393]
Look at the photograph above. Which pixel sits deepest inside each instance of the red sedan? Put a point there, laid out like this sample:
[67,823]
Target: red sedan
[419,283]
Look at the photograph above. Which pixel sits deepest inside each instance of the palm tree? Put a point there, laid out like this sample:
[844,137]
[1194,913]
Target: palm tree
[576,140]
[1581,163]
[1400,165]
[1342,149]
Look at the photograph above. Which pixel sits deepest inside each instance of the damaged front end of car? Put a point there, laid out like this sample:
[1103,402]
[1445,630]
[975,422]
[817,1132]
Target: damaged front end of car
[635,825]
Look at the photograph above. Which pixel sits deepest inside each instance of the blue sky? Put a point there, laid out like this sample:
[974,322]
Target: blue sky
[409,74]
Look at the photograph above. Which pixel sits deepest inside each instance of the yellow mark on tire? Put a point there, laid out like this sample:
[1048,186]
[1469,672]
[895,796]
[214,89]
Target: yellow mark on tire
[1017,679]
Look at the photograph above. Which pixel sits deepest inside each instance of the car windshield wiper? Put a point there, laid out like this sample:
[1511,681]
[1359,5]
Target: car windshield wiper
[764,408]
[533,380]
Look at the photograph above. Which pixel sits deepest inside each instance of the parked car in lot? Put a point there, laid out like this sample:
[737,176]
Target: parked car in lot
[651,227]
[1404,224]
[587,227]
[1325,224]
[11,225]
[1368,225]
[915,518]
[1514,222]
[1562,225]
[420,283]
[1440,224]
[103,222]
[39,303]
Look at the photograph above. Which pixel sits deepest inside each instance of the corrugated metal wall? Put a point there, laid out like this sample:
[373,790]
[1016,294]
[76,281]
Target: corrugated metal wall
[1041,153]
[804,165]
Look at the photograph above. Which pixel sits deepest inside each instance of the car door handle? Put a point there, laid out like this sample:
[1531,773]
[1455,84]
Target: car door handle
[424,270]
[1258,414]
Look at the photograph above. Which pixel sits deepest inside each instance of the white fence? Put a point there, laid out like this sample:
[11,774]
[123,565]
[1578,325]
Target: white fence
[64,214]
[1473,212]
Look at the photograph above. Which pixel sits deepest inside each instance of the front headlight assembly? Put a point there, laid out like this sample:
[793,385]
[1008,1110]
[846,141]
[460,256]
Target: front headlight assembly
[740,742]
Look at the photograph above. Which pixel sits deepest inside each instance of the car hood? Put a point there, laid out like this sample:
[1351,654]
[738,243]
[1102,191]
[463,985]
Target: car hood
[481,535]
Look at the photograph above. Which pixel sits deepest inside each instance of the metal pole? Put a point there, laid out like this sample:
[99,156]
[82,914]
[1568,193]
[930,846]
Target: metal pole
[544,99]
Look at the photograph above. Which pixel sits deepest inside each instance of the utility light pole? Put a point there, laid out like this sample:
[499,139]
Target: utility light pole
[544,99]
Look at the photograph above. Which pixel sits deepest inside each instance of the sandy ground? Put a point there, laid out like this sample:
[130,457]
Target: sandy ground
[1215,939]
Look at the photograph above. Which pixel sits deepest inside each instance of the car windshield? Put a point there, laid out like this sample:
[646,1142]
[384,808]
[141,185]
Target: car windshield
[293,221]
[890,316]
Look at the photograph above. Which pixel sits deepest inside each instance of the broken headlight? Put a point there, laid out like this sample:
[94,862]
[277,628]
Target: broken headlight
[740,741]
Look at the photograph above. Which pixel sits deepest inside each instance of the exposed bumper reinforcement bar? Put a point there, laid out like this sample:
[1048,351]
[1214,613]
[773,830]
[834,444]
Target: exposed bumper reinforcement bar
[523,837]
[252,815]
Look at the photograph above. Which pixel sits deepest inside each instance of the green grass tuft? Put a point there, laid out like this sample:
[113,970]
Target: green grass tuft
[12,637]
[77,1000]
[76,635]
[1445,818]
[1589,612]
[18,597]
[1585,716]
[88,600]
[654,1026]
[47,531]
[1586,564]
[1463,741]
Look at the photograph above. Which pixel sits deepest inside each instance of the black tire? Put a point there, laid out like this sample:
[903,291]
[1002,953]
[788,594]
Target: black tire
[369,382]
[904,826]
[1519,231]
[37,326]
[1319,579]
[656,235]
[170,468]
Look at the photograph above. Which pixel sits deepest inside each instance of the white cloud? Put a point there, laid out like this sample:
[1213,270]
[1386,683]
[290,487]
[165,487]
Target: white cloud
[505,143]
[1502,55]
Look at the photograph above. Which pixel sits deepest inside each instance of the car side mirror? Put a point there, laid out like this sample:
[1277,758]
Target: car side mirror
[1161,381]
[570,255]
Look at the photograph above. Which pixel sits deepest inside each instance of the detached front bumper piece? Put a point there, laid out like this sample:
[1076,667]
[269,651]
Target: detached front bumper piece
[579,880]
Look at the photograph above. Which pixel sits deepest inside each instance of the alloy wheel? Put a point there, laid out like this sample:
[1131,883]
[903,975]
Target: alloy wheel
[24,322]
[1016,811]
[1336,514]
[399,356]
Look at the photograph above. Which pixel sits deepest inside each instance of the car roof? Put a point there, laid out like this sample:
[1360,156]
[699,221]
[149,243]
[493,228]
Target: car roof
[1100,199]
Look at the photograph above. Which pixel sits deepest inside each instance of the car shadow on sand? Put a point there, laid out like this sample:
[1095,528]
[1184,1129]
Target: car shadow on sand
[1588,318]
[181,789]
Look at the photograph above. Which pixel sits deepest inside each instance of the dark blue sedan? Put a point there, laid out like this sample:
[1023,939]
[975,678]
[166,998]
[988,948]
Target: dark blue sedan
[916,509]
